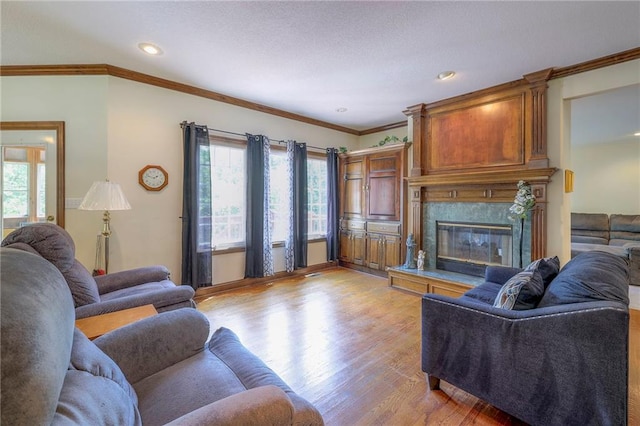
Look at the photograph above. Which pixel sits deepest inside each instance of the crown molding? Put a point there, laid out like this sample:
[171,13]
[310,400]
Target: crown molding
[105,69]
[605,61]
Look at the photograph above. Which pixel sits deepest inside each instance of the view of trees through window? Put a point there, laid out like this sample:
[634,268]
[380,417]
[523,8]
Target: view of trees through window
[23,184]
[227,218]
[228,195]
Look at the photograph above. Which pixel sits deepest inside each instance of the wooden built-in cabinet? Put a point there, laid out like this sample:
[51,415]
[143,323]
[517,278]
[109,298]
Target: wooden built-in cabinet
[372,193]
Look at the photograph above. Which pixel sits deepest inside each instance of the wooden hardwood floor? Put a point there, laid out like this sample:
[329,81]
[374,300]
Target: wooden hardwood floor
[351,345]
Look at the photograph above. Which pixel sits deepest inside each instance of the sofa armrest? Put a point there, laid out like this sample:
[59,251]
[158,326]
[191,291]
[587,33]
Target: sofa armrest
[152,344]
[132,277]
[257,406]
[180,296]
[540,365]
[634,262]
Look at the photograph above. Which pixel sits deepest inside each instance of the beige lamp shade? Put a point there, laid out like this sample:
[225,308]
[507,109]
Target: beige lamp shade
[104,195]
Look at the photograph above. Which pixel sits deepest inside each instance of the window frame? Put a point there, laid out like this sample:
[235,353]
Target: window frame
[237,144]
[220,249]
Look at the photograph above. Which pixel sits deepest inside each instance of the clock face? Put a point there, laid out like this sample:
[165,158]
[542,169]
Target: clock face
[153,178]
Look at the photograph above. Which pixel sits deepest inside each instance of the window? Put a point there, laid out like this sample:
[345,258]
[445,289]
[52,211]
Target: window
[23,185]
[228,195]
[228,163]
[317,196]
[279,197]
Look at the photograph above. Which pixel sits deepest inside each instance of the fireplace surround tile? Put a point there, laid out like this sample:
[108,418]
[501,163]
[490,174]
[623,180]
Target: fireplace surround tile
[488,213]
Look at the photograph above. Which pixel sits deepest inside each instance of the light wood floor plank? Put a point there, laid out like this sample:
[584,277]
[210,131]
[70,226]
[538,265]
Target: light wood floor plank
[351,345]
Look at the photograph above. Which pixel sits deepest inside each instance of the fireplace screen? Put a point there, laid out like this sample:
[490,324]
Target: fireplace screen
[469,248]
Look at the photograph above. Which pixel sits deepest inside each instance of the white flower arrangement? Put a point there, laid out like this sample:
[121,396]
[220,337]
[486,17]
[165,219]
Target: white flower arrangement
[524,201]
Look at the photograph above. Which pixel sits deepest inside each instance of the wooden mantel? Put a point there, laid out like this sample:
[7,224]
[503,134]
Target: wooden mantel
[482,177]
[477,147]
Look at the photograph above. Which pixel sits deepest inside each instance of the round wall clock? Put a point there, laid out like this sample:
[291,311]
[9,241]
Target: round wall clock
[153,178]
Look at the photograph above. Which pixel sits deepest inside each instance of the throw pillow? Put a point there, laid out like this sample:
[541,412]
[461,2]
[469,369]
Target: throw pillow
[548,268]
[523,291]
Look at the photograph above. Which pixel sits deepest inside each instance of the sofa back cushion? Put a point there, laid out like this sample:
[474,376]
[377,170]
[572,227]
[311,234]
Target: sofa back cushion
[56,245]
[591,228]
[625,228]
[590,276]
[82,285]
[37,334]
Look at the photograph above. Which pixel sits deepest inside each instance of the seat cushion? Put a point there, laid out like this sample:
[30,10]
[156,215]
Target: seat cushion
[169,394]
[590,276]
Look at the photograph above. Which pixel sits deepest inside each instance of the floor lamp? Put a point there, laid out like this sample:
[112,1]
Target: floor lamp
[105,195]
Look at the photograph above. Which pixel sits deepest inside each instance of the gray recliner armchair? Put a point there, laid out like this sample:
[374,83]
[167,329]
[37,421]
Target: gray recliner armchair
[104,293]
[159,370]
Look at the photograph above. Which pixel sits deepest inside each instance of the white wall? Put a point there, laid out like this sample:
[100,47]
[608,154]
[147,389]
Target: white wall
[114,127]
[81,102]
[559,96]
[607,177]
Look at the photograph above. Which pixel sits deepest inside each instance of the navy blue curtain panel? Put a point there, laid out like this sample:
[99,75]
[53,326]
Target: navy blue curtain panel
[300,205]
[333,229]
[196,207]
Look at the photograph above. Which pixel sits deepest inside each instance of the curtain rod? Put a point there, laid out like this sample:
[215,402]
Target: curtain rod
[244,135]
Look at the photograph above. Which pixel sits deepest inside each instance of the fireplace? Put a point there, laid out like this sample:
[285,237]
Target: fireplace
[469,248]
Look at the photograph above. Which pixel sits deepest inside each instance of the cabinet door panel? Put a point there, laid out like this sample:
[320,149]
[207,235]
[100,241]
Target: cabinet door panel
[374,250]
[353,197]
[346,248]
[352,200]
[358,247]
[391,254]
[383,200]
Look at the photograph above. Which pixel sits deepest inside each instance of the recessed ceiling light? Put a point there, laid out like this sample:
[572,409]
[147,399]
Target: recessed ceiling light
[150,49]
[341,109]
[636,134]
[446,75]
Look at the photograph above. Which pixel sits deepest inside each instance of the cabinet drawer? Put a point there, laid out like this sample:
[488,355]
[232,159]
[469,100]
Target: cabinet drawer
[383,228]
[352,225]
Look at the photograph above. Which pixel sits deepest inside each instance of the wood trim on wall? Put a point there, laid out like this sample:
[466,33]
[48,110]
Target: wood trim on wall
[105,69]
[58,127]
[204,292]
[391,126]
[605,61]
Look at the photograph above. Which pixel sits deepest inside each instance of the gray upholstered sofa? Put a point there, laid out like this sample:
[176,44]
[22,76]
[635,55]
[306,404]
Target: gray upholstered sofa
[563,361]
[104,293]
[618,234]
[153,372]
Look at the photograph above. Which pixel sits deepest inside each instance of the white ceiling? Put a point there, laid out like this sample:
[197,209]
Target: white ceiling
[310,58]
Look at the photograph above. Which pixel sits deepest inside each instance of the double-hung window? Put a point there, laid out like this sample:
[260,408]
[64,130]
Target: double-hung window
[317,196]
[228,170]
[228,194]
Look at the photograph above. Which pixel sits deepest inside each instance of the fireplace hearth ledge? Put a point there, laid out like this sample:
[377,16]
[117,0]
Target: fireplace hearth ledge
[431,280]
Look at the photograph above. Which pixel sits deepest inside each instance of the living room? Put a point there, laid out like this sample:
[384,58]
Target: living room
[116,124]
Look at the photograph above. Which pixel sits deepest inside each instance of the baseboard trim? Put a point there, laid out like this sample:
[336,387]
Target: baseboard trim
[205,292]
